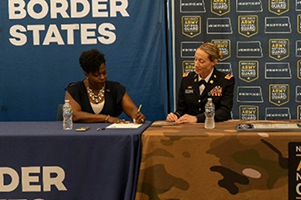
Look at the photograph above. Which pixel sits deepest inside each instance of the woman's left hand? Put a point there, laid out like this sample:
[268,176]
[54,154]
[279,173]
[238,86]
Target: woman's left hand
[187,119]
[117,120]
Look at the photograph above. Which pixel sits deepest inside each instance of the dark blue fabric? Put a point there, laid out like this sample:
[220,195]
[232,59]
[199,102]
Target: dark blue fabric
[98,165]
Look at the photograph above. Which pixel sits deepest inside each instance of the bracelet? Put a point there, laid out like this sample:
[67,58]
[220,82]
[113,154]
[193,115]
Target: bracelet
[177,114]
[107,117]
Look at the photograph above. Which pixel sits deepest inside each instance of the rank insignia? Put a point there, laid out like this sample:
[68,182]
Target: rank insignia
[216,91]
[228,76]
[185,74]
[188,91]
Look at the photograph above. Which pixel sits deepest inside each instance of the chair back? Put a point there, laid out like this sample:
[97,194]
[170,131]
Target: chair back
[59,112]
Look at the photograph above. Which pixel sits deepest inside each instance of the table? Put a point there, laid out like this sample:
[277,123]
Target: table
[41,161]
[189,162]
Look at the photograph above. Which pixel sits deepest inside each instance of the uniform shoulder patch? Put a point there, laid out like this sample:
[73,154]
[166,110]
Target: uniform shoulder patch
[185,74]
[228,76]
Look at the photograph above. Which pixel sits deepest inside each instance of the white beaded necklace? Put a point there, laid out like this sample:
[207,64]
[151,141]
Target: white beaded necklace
[96,98]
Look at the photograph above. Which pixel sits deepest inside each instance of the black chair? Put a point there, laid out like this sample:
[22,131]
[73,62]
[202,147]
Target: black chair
[59,113]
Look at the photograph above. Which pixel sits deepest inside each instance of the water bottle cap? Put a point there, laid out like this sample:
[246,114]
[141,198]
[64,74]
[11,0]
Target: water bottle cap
[209,99]
[67,100]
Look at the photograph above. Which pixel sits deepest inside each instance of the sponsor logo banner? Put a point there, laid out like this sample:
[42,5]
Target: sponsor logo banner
[278,7]
[224,67]
[191,26]
[277,25]
[248,112]
[278,70]
[279,94]
[272,113]
[250,49]
[188,49]
[192,6]
[26,182]
[299,69]
[248,25]
[251,6]
[219,26]
[220,7]
[294,167]
[298,48]
[279,49]
[249,94]
[298,93]
[299,23]
[298,5]
[248,70]
[298,112]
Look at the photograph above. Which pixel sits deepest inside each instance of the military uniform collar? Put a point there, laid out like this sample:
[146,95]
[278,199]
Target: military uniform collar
[209,77]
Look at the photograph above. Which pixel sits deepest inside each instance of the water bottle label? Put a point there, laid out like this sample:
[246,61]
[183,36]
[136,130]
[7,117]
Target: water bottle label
[67,111]
[209,110]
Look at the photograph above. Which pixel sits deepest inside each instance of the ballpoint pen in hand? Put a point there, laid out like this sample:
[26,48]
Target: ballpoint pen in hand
[140,106]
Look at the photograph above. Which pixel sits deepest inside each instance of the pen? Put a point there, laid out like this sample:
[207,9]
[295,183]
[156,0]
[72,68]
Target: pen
[140,106]
[134,120]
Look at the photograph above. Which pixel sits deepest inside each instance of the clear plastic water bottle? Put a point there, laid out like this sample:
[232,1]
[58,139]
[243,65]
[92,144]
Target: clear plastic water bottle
[209,113]
[67,116]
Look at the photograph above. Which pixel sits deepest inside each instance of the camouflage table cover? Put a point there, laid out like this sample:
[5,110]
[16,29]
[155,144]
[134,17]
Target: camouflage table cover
[189,162]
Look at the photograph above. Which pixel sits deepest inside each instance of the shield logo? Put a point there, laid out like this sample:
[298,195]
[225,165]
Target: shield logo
[248,25]
[278,7]
[248,112]
[191,26]
[219,7]
[279,49]
[248,70]
[279,94]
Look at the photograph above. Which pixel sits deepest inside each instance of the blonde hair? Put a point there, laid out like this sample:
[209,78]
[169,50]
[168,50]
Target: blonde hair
[212,50]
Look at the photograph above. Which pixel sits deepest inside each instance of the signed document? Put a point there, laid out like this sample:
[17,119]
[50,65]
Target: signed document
[123,125]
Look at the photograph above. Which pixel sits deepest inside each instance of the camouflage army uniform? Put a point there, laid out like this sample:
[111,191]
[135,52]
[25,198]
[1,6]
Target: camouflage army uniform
[220,88]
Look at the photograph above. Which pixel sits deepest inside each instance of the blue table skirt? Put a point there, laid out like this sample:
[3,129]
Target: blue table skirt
[41,160]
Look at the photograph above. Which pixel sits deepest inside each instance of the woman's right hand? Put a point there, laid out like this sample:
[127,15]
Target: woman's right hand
[171,117]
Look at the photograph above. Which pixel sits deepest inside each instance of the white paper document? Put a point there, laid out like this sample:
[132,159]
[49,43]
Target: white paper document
[163,123]
[269,127]
[123,125]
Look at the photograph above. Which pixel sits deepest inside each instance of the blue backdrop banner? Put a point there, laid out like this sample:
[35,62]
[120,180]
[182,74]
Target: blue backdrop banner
[41,41]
